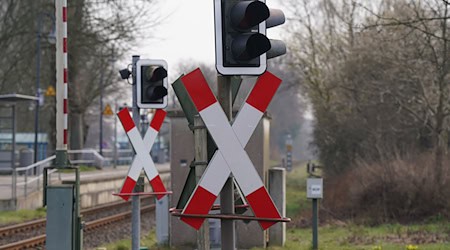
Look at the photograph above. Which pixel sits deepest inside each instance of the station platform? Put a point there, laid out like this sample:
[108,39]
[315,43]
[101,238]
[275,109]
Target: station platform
[96,187]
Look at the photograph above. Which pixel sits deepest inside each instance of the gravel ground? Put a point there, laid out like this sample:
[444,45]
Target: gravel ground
[118,231]
[146,225]
[21,236]
[109,212]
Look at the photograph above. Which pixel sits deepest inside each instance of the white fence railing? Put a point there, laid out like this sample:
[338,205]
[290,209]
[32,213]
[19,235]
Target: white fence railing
[29,177]
[25,172]
[92,157]
[120,157]
[86,156]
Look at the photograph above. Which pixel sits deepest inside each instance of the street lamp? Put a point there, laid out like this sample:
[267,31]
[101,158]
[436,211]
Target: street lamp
[112,60]
[51,38]
[100,143]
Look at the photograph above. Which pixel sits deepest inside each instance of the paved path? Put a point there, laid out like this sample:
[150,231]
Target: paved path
[106,172]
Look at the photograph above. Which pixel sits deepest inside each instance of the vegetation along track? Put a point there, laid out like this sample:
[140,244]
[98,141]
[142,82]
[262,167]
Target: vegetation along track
[32,234]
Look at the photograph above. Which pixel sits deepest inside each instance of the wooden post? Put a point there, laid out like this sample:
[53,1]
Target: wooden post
[201,158]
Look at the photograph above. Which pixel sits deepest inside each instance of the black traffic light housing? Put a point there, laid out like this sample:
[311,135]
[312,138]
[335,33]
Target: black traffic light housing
[151,79]
[242,47]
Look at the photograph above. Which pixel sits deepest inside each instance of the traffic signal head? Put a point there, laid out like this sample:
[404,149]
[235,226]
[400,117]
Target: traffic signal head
[241,42]
[151,80]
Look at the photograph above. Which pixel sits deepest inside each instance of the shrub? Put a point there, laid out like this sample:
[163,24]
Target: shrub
[402,189]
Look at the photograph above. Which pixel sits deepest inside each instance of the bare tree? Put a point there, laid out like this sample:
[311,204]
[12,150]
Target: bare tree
[377,75]
[99,33]
[425,29]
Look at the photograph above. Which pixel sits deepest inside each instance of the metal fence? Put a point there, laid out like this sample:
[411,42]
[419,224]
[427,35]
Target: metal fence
[23,177]
[29,178]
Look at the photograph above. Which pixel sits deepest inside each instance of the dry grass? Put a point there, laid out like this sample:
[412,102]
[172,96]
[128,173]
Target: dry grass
[404,189]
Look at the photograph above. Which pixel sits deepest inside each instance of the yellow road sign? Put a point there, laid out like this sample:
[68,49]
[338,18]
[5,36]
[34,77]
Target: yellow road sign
[108,110]
[50,91]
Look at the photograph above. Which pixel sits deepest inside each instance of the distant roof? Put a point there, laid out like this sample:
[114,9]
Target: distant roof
[17,98]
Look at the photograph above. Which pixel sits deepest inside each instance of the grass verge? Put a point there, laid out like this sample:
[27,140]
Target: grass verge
[82,168]
[383,237]
[11,217]
[148,241]
[296,201]
[434,235]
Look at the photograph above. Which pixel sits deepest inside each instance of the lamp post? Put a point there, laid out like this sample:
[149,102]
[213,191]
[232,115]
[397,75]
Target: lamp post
[112,59]
[100,143]
[51,38]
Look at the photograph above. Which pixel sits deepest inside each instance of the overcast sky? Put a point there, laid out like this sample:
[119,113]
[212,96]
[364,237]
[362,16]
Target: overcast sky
[187,33]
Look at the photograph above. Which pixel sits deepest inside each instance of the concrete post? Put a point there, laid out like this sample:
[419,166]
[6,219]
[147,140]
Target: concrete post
[277,190]
[162,221]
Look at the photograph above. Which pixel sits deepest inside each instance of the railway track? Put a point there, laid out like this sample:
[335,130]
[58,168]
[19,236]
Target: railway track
[89,226]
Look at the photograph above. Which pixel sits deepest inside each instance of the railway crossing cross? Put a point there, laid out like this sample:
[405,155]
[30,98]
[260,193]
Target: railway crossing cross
[230,156]
[142,148]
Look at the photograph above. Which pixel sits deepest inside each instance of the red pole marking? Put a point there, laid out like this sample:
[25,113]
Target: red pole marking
[65,44]
[127,188]
[65,136]
[264,90]
[263,206]
[200,203]
[158,119]
[65,106]
[66,74]
[198,89]
[158,186]
[125,118]
[64,14]
[65,71]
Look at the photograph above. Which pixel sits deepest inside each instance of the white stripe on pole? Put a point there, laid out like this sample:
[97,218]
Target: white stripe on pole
[65,120]
[66,90]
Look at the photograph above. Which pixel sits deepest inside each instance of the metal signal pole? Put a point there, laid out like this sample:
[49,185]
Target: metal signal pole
[228,227]
[135,201]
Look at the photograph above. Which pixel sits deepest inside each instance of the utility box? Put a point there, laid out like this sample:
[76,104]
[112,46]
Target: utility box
[314,188]
[60,217]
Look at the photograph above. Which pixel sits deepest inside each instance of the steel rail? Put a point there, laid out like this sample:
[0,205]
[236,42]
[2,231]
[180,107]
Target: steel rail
[25,244]
[22,227]
[39,223]
[89,226]
[92,225]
